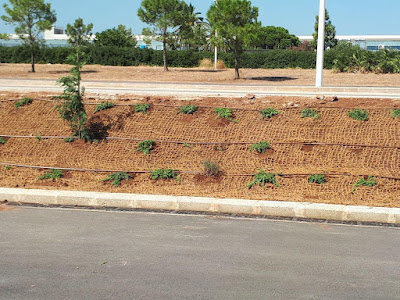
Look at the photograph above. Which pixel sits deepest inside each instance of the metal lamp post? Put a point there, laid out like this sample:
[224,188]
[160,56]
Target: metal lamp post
[215,49]
[321,44]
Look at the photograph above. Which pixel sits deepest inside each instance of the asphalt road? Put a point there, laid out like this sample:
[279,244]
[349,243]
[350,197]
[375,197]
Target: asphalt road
[78,254]
[196,90]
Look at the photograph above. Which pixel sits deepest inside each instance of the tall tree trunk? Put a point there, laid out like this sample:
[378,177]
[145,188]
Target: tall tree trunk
[165,51]
[237,75]
[33,58]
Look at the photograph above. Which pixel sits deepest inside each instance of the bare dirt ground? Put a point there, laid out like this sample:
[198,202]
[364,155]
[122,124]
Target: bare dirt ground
[185,75]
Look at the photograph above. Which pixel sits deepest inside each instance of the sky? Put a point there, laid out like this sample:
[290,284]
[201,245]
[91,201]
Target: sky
[351,17]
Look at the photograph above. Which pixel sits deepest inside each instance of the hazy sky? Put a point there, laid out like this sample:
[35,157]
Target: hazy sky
[349,16]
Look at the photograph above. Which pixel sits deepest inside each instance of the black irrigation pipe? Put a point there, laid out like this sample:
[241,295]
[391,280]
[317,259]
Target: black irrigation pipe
[211,143]
[233,108]
[192,172]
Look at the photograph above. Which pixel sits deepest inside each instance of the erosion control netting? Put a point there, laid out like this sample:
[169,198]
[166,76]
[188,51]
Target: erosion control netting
[348,148]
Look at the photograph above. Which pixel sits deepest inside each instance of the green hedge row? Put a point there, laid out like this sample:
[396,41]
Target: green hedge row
[114,56]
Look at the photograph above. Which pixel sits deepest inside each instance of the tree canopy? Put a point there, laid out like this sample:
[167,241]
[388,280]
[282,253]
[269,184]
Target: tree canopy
[330,32]
[29,18]
[236,23]
[118,37]
[271,37]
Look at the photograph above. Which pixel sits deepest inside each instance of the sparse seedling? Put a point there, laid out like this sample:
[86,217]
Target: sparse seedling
[260,147]
[2,140]
[146,146]
[211,169]
[143,107]
[358,114]
[396,113]
[188,109]
[23,102]
[262,178]
[7,167]
[269,113]
[370,181]
[53,174]
[103,106]
[164,174]
[70,140]
[319,179]
[117,177]
[187,145]
[226,113]
[38,137]
[309,113]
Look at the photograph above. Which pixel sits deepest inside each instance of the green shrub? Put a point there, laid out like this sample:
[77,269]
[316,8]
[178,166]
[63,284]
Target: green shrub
[187,145]
[2,140]
[396,113]
[269,113]
[226,113]
[260,147]
[319,179]
[146,146]
[70,140]
[370,181]
[103,106]
[188,109]
[53,174]
[38,137]
[143,107]
[7,167]
[117,177]
[164,174]
[23,102]
[358,114]
[309,113]
[263,178]
[210,168]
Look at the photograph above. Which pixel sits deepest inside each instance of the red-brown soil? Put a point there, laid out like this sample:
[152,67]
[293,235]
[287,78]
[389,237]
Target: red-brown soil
[347,149]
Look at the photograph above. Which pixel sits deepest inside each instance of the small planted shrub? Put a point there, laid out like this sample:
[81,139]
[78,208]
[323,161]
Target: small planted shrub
[396,113]
[260,147]
[358,114]
[370,181]
[52,174]
[2,140]
[103,106]
[38,137]
[187,145]
[70,140]
[117,177]
[188,109]
[309,113]
[319,179]
[269,113]
[23,102]
[7,167]
[164,174]
[211,169]
[143,107]
[262,178]
[146,146]
[226,113]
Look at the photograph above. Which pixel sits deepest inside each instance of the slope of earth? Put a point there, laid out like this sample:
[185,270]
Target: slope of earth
[343,149]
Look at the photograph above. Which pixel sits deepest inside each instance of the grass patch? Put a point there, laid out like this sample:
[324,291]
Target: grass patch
[117,177]
[260,147]
[210,168]
[262,178]
[309,113]
[396,113]
[103,106]
[370,181]
[53,174]
[358,114]
[24,101]
[2,140]
[268,113]
[188,109]
[143,108]
[225,113]
[146,146]
[319,179]
[164,174]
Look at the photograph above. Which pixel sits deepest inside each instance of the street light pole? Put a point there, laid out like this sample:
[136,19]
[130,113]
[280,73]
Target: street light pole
[215,49]
[321,44]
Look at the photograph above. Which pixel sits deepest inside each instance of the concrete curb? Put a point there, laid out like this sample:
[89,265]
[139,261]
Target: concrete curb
[300,210]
